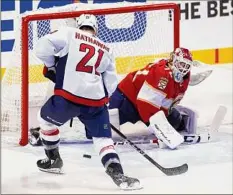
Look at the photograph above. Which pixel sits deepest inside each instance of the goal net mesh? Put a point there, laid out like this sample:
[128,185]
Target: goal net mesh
[137,38]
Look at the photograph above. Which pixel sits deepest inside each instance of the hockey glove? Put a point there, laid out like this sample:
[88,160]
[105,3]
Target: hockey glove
[50,73]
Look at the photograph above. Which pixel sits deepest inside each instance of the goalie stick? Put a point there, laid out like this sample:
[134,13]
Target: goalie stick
[189,139]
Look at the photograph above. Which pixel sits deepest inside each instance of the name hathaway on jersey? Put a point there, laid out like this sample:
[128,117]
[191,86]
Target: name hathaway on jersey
[91,40]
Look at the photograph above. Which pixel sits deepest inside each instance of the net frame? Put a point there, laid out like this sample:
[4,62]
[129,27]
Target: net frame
[62,15]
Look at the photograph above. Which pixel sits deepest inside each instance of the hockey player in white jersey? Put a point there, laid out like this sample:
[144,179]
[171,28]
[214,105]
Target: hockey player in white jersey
[85,77]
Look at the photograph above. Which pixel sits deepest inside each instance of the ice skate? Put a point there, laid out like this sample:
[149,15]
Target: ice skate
[115,171]
[52,164]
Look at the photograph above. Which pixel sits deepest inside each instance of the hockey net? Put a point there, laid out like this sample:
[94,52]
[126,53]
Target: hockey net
[138,34]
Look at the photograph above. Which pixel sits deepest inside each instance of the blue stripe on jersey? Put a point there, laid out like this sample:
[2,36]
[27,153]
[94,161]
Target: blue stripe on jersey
[60,71]
[110,156]
[50,143]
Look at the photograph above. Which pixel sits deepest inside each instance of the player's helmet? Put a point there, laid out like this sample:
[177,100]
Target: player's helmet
[87,20]
[182,63]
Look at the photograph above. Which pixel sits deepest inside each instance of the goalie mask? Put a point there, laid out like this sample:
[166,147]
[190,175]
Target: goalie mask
[182,62]
[87,20]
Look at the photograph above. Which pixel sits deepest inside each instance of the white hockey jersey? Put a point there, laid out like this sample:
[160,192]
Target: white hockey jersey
[85,72]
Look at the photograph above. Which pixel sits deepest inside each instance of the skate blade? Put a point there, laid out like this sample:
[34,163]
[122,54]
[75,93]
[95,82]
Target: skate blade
[133,186]
[53,170]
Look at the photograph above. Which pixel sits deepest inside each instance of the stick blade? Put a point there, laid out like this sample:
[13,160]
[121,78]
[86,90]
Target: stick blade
[176,170]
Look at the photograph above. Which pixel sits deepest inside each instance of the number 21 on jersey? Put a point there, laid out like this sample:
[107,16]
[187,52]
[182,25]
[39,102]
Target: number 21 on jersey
[84,64]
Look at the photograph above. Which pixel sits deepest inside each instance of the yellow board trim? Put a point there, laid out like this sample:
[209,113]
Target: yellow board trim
[2,72]
[206,56]
[226,55]
[127,64]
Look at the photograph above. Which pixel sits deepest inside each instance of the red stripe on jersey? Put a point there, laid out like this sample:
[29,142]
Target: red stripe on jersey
[80,100]
[50,132]
[106,148]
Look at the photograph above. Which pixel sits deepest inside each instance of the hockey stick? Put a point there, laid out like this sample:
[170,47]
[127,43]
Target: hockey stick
[71,122]
[168,171]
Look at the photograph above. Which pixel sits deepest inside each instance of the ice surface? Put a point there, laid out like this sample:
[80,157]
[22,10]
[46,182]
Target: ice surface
[210,170]
[210,164]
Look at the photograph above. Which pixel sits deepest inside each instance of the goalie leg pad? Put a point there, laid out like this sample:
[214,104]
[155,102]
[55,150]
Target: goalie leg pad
[162,129]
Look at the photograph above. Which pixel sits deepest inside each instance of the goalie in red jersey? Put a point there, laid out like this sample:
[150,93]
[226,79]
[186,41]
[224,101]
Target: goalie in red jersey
[151,95]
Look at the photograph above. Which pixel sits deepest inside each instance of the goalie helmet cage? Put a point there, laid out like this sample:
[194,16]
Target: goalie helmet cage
[25,54]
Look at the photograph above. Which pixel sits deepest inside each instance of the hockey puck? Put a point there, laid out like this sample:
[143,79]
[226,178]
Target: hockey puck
[86,156]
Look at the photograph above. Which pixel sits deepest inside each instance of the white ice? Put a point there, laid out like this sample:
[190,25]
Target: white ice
[210,164]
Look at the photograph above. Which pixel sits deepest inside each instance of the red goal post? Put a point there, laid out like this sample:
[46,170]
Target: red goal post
[62,15]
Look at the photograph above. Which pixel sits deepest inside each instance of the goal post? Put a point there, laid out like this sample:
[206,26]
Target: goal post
[161,13]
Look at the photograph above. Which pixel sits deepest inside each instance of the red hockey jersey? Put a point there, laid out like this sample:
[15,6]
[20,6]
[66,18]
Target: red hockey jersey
[152,89]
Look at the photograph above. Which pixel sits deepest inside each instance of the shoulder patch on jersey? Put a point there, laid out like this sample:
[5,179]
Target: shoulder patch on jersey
[162,83]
